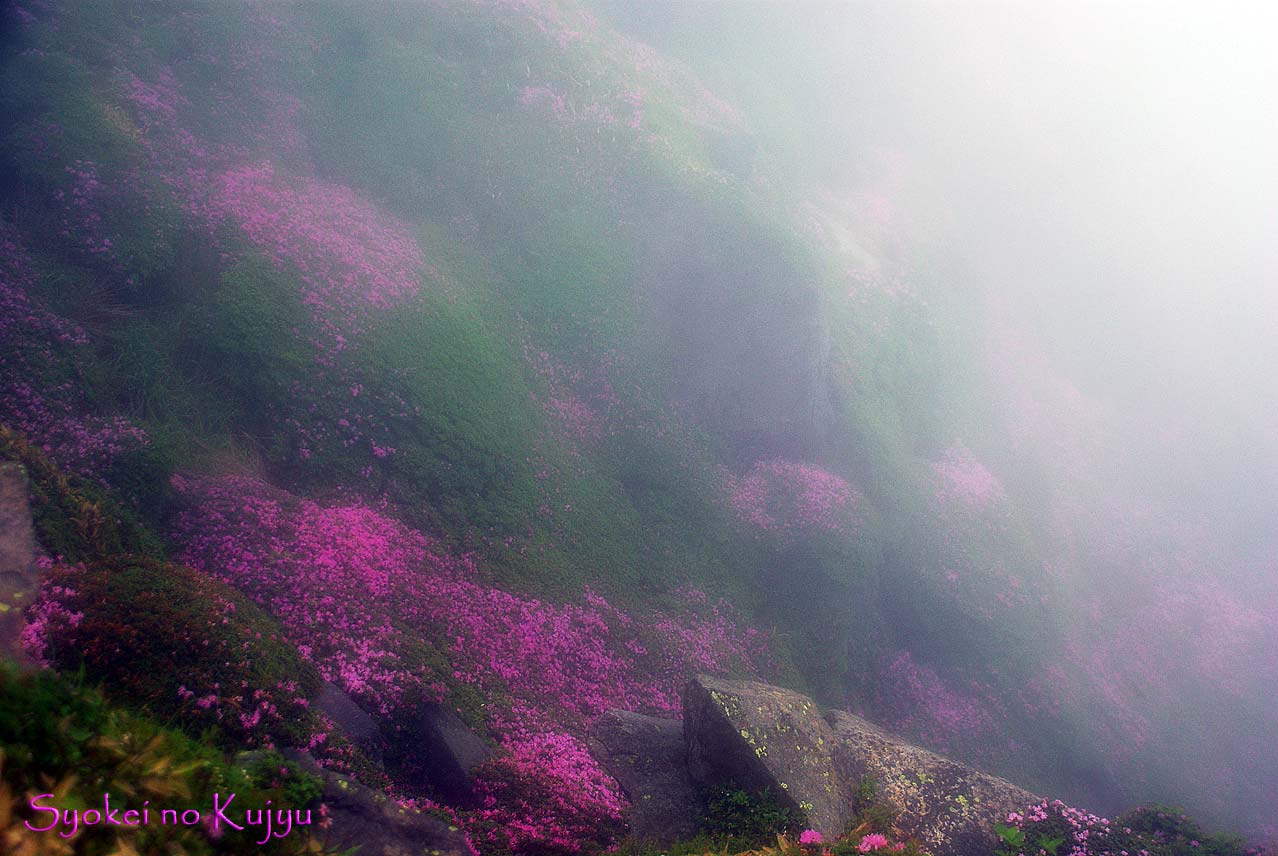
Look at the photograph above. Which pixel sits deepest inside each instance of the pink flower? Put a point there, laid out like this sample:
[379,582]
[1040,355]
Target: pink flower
[810,836]
[873,841]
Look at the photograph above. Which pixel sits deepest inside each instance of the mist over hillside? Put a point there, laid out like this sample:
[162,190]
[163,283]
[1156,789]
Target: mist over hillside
[510,364]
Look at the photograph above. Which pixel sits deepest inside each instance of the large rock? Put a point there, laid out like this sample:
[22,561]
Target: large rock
[646,756]
[19,574]
[442,753]
[357,725]
[366,819]
[949,807]
[767,738]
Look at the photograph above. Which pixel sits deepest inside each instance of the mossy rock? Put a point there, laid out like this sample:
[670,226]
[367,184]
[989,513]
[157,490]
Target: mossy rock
[949,807]
[768,740]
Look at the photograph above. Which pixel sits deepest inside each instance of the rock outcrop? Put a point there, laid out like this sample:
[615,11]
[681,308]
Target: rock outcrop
[766,738]
[646,756]
[366,819]
[442,754]
[762,737]
[949,807]
[19,575]
[357,725]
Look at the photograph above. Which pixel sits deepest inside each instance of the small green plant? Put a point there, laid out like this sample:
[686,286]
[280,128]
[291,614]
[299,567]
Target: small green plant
[747,817]
[872,814]
[271,770]
[67,740]
[1050,844]
[1013,840]
[867,791]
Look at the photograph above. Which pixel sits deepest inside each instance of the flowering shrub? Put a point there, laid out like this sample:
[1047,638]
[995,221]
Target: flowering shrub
[809,843]
[963,482]
[545,802]
[872,841]
[128,620]
[391,618]
[1053,828]
[349,257]
[580,401]
[927,707]
[788,498]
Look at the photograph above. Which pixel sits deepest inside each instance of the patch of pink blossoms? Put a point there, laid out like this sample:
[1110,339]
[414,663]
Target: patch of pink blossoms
[359,592]
[930,709]
[964,482]
[787,497]
[349,256]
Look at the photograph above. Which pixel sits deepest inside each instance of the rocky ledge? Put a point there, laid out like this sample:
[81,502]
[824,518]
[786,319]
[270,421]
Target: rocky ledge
[767,738]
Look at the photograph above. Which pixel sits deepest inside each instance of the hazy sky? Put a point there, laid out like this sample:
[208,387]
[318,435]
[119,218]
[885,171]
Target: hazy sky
[1106,171]
[1107,165]
[1118,153]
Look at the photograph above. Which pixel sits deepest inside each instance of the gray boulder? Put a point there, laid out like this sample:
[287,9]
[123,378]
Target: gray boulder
[442,752]
[765,738]
[646,756]
[357,725]
[949,807]
[366,819]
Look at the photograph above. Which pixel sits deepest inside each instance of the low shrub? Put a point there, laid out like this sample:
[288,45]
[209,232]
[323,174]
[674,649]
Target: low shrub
[129,622]
[1051,827]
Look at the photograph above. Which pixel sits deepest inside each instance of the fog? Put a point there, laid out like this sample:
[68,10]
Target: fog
[499,368]
[1098,178]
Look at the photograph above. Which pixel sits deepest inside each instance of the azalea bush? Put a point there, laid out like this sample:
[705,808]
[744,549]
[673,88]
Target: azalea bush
[792,498]
[1056,829]
[393,618]
[124,621]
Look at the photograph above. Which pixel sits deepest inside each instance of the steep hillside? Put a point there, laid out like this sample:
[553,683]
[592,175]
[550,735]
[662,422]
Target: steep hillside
[476,356]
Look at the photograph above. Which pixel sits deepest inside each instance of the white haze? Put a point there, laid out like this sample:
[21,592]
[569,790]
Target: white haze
[1110,170]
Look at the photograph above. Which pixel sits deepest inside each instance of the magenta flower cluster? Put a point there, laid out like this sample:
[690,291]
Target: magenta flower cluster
[350,260]
[1086,834]
[47,618]
[788,497]
[359,593]
[929,708]
[871,842]
[962,481]
[349,256]
[579,398]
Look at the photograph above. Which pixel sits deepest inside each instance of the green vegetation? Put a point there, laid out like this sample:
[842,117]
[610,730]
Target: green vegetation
[64,739]
[741,819]
[131,619]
